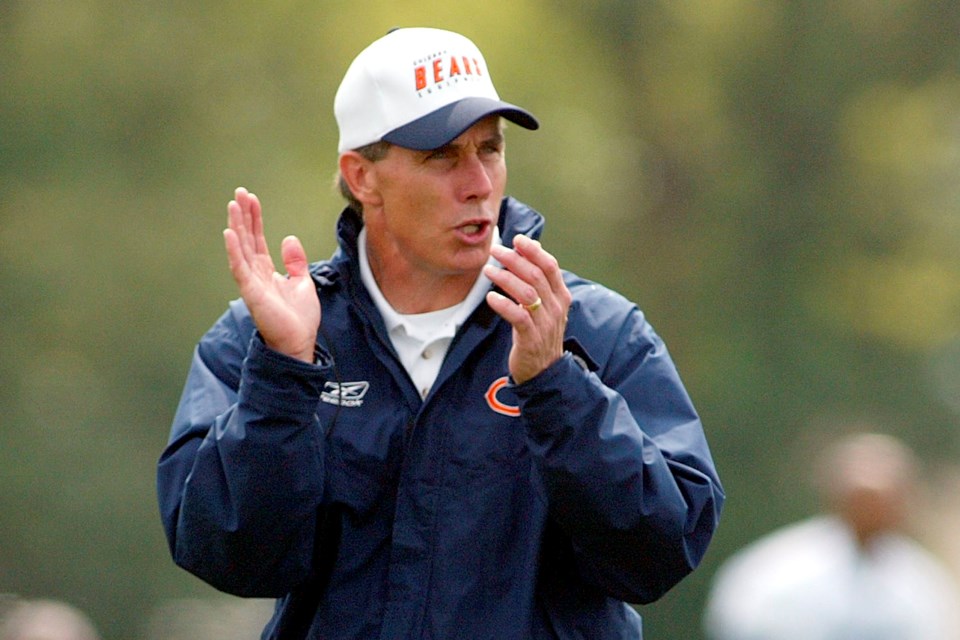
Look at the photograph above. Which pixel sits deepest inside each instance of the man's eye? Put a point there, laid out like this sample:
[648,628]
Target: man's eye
[439,154]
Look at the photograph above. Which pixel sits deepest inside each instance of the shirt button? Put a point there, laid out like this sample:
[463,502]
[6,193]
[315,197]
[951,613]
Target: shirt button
[424,392]
[427,354]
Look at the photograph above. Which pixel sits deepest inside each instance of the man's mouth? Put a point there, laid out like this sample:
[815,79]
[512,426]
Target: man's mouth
[474,228]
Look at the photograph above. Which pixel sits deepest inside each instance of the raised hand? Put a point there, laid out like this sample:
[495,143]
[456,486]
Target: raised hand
[285,309]
[538,310]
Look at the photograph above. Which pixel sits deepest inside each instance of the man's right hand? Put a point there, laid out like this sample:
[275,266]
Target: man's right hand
[285,309]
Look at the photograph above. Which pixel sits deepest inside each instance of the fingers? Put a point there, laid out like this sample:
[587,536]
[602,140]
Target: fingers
[535,304]
[285,309]
[246,245]
[509,310]
[530,274]
[294,257]
[251,205]
[246,219]
[238,265]
[548,266]
[521,278]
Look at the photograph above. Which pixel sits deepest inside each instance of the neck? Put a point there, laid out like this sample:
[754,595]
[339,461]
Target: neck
[410,291]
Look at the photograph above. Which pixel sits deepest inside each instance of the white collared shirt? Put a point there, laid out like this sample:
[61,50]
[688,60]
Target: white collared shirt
[422,339]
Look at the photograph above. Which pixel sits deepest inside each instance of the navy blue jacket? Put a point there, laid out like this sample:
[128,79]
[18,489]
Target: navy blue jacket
[487,510]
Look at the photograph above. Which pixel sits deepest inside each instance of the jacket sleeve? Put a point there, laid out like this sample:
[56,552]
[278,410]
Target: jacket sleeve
[623,460]
[240,481]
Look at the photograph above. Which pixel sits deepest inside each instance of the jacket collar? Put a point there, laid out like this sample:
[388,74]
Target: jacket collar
[516,219]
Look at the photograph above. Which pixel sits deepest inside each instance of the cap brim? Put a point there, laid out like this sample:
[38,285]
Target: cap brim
[443,125]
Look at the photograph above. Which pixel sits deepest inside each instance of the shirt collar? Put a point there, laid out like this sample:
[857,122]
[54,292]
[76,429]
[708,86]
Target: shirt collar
[394,320]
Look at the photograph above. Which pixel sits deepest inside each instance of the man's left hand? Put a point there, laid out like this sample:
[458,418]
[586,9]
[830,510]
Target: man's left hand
[538,309]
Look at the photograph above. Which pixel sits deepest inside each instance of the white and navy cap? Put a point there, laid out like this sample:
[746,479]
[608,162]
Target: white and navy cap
[418,88]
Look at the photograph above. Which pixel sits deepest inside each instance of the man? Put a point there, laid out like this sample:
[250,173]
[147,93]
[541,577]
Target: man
[850,573]
[46,620]
[437,433]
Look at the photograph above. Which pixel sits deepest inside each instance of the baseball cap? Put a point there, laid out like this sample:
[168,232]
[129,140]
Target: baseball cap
[418,88]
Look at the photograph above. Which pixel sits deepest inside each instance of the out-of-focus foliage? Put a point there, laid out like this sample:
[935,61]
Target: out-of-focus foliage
[775,183]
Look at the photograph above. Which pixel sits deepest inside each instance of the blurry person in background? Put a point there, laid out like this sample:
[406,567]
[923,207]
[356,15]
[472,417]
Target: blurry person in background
[46,620]
[207,618]
[850,573]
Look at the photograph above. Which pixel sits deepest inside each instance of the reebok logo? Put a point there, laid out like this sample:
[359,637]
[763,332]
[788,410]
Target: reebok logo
[345,394]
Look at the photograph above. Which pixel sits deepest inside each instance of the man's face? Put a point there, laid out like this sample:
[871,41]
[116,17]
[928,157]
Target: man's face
[435,210]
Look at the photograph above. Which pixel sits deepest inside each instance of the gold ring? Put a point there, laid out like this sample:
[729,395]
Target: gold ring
[533,306]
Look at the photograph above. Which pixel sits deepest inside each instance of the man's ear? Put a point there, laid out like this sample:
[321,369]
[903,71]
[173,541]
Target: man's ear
[360,176]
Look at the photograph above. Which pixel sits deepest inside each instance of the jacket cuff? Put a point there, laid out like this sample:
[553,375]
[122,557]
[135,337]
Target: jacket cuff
[545,398]
[279,383]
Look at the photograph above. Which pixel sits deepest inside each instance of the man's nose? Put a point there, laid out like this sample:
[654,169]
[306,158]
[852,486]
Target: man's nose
[475,178]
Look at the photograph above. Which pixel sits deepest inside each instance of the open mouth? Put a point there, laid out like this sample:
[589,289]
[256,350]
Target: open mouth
[474,228]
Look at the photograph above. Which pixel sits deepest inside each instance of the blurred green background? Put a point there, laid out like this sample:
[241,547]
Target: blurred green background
[777,184]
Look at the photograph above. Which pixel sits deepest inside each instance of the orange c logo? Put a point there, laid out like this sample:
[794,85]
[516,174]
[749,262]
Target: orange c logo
[495,403]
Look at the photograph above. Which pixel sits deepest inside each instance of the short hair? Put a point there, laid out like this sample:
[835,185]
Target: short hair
[373,152]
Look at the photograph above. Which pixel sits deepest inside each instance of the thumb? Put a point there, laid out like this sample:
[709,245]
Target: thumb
[294,257]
